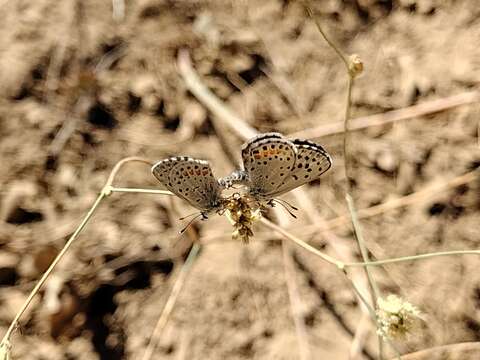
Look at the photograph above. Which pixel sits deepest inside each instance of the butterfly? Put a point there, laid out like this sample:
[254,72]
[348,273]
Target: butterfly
[274,165]
[192,180]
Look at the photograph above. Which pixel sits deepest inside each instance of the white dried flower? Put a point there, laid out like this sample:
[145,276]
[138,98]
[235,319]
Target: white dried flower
[355,65]
[396,317]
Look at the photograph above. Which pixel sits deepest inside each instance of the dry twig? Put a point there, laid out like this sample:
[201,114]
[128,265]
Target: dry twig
[171,301]
[426,108]
[407,200]
[470,350]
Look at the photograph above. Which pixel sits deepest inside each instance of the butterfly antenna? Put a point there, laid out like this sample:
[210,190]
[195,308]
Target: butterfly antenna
[287,203]
[284,204]
[190,222]
[187,216]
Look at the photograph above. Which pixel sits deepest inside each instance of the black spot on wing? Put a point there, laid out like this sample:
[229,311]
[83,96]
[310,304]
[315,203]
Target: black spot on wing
[253,141]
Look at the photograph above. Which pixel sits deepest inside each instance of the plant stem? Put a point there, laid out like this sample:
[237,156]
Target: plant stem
[330,43]
[413,258]
[339,264]
[352,71]
[346,134]
[373,316]
[106,191]
[342,265]
[363,249]
[52,266]
[122,162]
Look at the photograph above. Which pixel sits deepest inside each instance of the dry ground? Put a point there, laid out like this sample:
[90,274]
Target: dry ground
[112,87]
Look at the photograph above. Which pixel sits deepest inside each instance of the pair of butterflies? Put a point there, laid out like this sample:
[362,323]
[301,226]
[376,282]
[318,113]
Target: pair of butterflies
[272,165]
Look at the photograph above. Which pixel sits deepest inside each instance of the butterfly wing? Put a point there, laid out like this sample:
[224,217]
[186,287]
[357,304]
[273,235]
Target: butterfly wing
[267,159]
[189,179]
[311,162]
[261,137]
[161,170]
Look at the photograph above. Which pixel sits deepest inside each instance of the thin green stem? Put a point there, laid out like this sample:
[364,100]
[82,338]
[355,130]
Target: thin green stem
[346,136]
[325,37]
[120,164]
[363,249]
[412,258]
[342,265]
[47,273]
[106,191]
[350,202]
[339,264]
[352,70]
[373,316]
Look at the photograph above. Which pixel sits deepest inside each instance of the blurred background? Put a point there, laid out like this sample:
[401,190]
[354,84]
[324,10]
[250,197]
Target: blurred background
[87,83]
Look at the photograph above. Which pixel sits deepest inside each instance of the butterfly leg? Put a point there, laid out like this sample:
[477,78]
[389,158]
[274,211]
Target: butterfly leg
[271,203]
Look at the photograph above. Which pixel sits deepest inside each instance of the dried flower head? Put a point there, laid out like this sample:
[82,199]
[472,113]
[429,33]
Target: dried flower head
[355,66]
[396,317]
[242,211]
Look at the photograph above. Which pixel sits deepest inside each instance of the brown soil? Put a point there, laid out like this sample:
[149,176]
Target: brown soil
[115,84]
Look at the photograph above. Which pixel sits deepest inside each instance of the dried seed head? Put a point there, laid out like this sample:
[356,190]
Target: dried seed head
[396,317]
[242,211]
[355,66]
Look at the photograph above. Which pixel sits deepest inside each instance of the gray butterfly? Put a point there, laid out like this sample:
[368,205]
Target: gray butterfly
[192,180]
[274,165]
